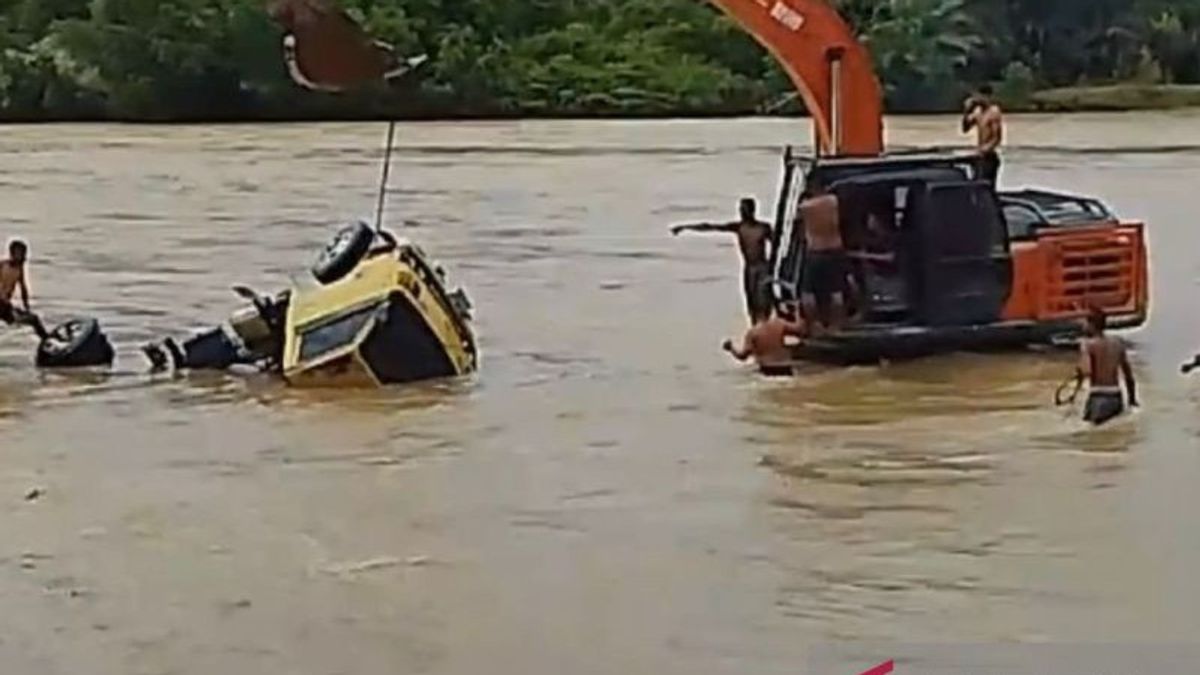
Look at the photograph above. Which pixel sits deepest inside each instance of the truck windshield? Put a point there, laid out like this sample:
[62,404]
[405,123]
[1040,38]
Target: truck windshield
[336,334]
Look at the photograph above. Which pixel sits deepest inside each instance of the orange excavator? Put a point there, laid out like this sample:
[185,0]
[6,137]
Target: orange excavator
[953,263]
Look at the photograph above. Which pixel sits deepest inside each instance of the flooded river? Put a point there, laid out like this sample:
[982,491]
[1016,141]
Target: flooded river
[611,494]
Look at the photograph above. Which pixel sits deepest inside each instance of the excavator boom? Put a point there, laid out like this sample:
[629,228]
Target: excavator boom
[831,69]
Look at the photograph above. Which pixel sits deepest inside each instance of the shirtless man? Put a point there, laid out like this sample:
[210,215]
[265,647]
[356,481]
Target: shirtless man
[879,243]
[1102,358]
[983,114]
[766,342]
[12,279]
[822,291]
[753,238]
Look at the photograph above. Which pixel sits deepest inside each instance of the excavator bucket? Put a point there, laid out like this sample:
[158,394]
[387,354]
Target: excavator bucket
[326,50]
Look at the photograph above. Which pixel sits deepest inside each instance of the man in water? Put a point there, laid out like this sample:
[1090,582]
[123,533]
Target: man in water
[823,288]
[1102,358]
[766,342]
[983,114]
[12,279]
[753,236]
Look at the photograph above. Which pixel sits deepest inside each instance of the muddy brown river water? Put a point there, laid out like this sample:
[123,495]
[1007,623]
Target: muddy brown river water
[610,494]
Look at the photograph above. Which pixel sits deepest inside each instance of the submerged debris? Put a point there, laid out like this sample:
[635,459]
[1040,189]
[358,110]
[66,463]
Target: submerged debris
[343,569]
[375,564]
[30,559]
[380,461]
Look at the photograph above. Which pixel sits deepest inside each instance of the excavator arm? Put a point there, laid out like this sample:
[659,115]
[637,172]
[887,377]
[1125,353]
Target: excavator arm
[833,73]
[831,69]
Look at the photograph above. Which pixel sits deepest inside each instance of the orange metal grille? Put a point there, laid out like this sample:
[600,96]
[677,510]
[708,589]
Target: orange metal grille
[1098,269]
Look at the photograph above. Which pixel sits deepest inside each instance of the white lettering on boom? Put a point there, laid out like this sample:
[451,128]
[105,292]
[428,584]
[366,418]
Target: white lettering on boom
[790,18]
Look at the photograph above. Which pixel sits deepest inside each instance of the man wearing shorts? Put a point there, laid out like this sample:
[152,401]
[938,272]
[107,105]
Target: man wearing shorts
[12,279]
[766,342]
[1102,359]
[754,236]
[822,289]
[984,115]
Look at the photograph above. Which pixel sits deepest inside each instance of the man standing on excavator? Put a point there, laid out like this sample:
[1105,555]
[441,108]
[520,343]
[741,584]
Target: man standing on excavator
[983,114]
[824,286]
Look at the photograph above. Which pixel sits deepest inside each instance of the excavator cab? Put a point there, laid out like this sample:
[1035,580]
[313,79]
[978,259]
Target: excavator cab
[919,236]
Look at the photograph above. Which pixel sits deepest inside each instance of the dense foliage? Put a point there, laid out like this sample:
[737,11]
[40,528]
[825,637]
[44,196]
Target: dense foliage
[211,59]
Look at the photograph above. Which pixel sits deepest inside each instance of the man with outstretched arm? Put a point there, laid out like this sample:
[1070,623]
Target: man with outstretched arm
[12,279]
[754,237]
[1104,360]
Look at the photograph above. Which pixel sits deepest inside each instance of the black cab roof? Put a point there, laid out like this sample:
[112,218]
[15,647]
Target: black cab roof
[920,166]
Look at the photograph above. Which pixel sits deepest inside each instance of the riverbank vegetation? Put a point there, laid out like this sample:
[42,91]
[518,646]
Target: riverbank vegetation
[220,59]
[1117,97]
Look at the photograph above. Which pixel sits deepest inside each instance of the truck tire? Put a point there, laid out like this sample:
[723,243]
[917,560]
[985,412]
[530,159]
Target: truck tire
[77,343]
[344,253]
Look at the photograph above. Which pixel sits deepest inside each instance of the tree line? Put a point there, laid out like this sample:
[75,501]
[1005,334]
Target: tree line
[221,59]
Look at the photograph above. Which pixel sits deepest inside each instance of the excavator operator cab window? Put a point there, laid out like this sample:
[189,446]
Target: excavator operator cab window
[873,222]
[1022,221]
